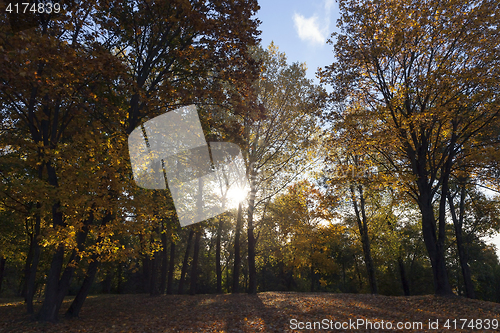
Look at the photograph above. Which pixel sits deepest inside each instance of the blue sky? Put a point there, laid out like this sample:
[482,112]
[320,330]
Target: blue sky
[300,29]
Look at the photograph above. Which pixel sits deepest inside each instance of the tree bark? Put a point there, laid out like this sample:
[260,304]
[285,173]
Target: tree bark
[65,280]
[153,268]
[435,249]
[344,289]
[194,269]
[81,296]
[252,271]
[185,262]
[153,285]
[312,278]
[434,233]
[146,273]
[76,305]
[404,279]
[31,272]
[358,273]
[365,240]
[67,276]
[3,261]
[171,266]
[49,309]
[237,256]
[27,264]
[164,262]
[462,253]
[119,273]
[31,277]
[218,268]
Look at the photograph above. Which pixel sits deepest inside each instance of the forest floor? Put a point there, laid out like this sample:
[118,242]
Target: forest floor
[265,312]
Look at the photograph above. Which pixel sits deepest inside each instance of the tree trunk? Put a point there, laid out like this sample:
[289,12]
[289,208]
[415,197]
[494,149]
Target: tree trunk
[434,233]
[171,266]
[31,278]
[358,273]
[263,274]
[435,249]
[119,273]
[49,310]
[185,262]
[67,275]
[344,289]
[312,278]
[462,254]
[164,262]
[237,256]
[218,268]
[194,269]
[27,265]
[65,280]
[404,279]
[31,273]
[81,296]
[365,240]
[228,280]
[61,285]
[3,260]
[146,273]
[76,305]
[153,273]
[252,271]
[153,285]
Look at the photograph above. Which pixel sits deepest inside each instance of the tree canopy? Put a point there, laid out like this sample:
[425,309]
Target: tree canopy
[387,185]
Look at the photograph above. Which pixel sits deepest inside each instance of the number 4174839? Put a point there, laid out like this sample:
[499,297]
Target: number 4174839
[33,7]
[474,324]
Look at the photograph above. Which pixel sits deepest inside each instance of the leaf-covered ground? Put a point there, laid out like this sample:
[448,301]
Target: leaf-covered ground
[265,312]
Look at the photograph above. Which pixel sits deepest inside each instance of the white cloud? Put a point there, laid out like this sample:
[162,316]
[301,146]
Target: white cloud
[329,4]
[315,29]
[309,29]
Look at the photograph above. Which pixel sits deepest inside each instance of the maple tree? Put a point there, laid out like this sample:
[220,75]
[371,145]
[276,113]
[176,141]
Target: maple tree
[415,117]
[278,137]
[90,76]
[426,74]
[350,170]
[47,100]
[296,239]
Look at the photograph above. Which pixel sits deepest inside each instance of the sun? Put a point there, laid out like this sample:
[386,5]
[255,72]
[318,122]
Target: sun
[235,195]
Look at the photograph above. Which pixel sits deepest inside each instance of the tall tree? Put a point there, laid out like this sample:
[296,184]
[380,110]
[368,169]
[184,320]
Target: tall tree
[98,71]
[185,261]
[237,250]
[426,73]
[348,171]
[279,142]
[360,212]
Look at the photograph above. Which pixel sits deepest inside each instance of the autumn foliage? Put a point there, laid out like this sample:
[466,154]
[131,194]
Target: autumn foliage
[388,185]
